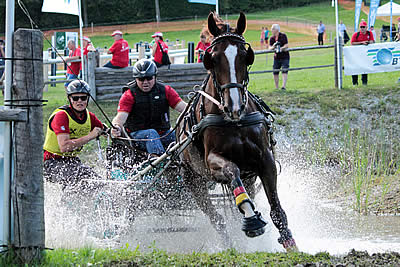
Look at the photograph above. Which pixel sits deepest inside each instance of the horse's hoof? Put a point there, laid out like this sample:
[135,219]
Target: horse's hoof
[254,226]
[290,245]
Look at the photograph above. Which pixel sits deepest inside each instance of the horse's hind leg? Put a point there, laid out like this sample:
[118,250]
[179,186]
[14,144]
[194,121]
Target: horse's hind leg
[200,193]
[278,215]
[227,171]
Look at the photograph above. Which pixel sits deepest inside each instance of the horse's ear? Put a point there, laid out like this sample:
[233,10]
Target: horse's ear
[241,24]
[207,61]
[249,56]
[212,26]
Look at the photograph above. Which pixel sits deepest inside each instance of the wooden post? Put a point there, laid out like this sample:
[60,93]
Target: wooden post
[85,66]
[27,187]
[336,67]
[45,70]
[91,73]
[340,80]
[142,51]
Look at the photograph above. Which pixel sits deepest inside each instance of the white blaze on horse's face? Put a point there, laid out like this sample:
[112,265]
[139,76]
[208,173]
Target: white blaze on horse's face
[231,52]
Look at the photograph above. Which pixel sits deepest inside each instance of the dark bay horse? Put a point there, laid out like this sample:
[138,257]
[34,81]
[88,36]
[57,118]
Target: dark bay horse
[232,138]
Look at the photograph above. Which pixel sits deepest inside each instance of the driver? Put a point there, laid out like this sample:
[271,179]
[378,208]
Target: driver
[143,109]
[68,129]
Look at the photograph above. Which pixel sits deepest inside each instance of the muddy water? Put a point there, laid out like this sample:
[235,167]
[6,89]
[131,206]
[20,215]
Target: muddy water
[323,224]
[318,223]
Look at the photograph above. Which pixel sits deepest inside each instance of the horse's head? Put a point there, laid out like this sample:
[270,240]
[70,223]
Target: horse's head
[228,59]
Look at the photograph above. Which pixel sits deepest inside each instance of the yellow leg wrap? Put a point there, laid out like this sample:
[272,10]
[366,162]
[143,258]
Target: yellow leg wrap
[240,198]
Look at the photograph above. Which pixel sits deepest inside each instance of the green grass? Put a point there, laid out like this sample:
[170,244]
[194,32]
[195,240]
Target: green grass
[133,257]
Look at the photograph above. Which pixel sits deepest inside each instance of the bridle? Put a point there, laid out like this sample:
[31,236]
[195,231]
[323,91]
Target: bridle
[238,39]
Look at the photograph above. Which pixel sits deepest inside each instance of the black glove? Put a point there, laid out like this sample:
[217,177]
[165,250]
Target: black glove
[106,130]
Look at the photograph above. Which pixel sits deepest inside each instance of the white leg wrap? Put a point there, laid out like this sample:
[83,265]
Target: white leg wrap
[248,210]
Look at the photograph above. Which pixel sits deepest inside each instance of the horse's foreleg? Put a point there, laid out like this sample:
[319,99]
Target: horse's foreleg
[226,171]
[278,215]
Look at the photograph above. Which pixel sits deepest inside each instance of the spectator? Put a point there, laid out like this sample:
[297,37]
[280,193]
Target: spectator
[321,31]
[68,129]
[398,26]
[383,36]
[362,37]
[279,43]
[373,31]
[119,51]
[87,45]
[262,37]
[143,109]
[2,63]
[341,28]
[266,36]
[2,56]
[201,47]
[158,48]
[73,68]
[394,32]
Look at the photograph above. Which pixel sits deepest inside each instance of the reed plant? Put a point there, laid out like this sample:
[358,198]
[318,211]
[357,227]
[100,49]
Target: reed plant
[365,157]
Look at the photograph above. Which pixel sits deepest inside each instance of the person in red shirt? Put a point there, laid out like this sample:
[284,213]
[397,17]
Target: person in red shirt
[157,53]
[143,109]
[74,68]
[201,47]
[68,129]
[362,37]
[119,51]
[87,45]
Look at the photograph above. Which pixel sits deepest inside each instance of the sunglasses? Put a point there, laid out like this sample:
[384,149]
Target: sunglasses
[362,26]
[145,78]
[81,97]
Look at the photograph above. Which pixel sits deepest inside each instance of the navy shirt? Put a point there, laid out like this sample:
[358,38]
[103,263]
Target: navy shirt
[282,38]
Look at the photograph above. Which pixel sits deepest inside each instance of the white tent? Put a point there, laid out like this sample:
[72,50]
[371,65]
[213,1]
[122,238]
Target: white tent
[384,10]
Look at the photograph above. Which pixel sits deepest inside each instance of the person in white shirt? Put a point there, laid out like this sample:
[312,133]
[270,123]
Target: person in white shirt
[341,28]
[371,29]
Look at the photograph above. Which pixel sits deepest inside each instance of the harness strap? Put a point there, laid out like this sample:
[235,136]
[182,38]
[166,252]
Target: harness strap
[212,99]
[232,85]
[218,120]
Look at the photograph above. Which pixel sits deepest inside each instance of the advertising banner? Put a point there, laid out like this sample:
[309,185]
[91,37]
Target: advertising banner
[373,8]
[373,58]
[357,14]
[62,39]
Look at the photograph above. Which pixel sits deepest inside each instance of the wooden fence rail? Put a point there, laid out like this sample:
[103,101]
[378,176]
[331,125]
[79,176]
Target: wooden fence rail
[107,83]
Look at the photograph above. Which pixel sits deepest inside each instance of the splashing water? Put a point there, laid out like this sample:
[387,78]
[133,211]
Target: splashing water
[317,222]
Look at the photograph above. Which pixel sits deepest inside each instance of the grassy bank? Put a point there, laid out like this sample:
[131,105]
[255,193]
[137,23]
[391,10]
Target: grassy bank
[133,257]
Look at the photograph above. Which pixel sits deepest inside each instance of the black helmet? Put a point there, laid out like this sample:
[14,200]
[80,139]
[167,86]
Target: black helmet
[144,68]
[78,86]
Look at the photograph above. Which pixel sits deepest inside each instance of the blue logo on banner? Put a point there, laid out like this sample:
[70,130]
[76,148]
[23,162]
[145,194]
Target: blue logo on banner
[384,56]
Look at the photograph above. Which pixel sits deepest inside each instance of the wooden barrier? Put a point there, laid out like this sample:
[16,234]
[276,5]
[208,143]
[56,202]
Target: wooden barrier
[108,82]
[28,192]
